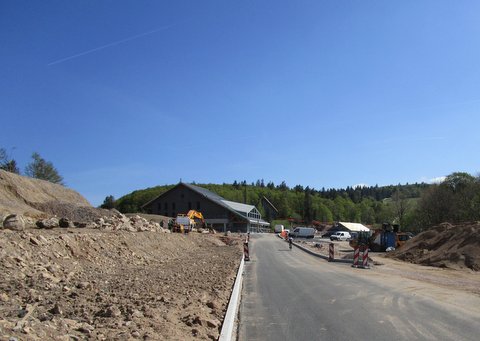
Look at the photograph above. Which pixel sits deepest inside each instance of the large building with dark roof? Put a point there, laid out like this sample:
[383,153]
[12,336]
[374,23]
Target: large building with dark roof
[219,213]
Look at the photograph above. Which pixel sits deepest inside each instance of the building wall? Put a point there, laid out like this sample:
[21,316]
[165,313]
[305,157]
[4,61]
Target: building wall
[181,199]
[232,227]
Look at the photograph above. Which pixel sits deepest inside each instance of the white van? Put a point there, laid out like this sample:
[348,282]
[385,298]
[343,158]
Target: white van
[278,229]
[303,232]
[340,235]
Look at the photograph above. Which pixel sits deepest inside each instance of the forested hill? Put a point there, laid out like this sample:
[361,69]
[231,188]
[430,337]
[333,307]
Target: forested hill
[368,205]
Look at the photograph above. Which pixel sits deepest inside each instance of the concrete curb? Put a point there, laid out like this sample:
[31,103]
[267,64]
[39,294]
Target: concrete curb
[347,261]
[229,321]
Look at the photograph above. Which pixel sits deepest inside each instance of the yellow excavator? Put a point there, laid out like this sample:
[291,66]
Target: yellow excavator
[185,223]
[195,216]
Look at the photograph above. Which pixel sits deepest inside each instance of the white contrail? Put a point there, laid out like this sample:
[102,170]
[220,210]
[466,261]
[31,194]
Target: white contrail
[109,45]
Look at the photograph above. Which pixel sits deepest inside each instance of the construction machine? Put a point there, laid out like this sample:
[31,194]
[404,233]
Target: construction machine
[185,223]
[385,239]
[197,218]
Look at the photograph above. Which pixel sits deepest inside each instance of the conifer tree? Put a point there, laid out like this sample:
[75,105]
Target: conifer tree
[39,168]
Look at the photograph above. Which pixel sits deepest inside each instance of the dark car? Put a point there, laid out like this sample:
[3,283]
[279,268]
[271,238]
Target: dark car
[329,233]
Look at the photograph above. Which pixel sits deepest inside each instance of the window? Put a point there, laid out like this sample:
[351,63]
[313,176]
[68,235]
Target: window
[166,206]
[198,205]
[173,207]
[159,206]
[189,205]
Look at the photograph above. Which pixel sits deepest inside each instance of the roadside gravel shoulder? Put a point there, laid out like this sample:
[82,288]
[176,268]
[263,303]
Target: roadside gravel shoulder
[463,280]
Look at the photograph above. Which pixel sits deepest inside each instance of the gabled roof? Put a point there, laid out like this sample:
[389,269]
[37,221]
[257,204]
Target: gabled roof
[354,227]
[239,207]
[205,192]
[236,208]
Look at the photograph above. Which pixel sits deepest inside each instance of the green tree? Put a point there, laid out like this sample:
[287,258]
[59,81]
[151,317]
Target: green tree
[383,212]
[283,186]
[367,213]
[400,206]
[282,204]
[351,212]
[108,203]
[44,170]
[324,214]
[307,206]
[455,200]
[8,164]
[458,180]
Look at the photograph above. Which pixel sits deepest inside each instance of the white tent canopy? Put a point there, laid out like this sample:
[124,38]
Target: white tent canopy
[354,227]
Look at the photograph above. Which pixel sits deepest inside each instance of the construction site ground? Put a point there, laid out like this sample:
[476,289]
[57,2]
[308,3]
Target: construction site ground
[129,279]
[76,284]
[382,265]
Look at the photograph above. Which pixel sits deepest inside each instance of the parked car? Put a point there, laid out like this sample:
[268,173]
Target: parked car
[340,235]
[328,234]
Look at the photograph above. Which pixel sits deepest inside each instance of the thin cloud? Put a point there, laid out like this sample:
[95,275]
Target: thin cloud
[437,180]
[110,45]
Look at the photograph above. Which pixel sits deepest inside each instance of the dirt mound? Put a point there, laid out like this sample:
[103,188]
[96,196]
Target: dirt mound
[72,284]
[446,245]
[73,211]
[25,196]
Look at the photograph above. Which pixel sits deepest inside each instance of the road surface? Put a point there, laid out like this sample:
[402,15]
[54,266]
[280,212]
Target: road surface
[291,295]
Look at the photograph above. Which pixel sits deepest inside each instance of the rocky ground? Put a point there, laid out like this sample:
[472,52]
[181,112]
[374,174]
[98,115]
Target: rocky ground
[75,284]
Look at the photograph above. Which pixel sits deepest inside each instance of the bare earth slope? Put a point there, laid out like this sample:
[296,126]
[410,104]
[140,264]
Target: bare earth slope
[23,195]
[111,278]
[70,284]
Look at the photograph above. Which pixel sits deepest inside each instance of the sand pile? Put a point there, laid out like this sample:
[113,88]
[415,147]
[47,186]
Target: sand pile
[446,245]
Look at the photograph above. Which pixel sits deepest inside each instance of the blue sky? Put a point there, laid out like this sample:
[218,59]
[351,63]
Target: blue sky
[124,95]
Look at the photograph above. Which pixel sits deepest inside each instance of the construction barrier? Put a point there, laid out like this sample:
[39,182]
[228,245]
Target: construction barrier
[331,252]
[246,256]
[365,258]
[356,254]
[356,257]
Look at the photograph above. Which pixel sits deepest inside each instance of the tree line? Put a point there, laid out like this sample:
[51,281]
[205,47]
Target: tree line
[38,168]
[455,200]
[415,207]
[355,193]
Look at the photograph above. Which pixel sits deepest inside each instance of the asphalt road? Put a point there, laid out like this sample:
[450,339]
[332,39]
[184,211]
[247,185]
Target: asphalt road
[290,295]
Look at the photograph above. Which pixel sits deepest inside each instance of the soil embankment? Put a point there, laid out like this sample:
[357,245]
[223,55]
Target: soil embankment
[64,284]
[25,196]
[447,246]
[72,272]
